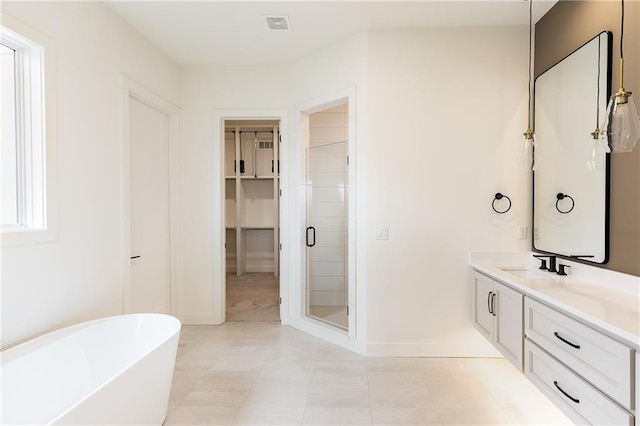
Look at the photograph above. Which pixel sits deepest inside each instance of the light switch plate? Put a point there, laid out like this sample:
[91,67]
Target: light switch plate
[382,234]
[522,232]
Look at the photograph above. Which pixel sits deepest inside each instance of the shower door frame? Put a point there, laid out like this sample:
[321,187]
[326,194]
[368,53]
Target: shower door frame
[325,256]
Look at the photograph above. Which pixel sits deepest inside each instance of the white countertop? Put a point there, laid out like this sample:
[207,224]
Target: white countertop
[608,300]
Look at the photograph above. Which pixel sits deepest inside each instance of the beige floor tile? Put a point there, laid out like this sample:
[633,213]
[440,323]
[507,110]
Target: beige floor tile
[393,378]
[548,416]
[277,395]
[247,363]
[264,373]
[269,416]
[517,393]
[475,416]
[392,365]
[301,377]
[405,416]
[328,351]
[183,383]
[215,398]
[338,395]
[198,415]
[470,398]
[227,380]
[337,416]
[289,363]
[340,371]
[398,394]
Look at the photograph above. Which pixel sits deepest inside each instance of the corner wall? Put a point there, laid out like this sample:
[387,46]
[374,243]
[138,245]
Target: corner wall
[79,276]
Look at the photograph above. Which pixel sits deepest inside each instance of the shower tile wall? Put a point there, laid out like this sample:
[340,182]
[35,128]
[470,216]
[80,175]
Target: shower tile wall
[328,126]
[327,265]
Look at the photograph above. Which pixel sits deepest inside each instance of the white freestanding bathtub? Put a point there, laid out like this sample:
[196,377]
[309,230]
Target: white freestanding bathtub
[114,370]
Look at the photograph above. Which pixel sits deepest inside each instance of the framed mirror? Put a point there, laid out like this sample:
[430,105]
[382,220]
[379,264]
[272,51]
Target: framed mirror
[571,175]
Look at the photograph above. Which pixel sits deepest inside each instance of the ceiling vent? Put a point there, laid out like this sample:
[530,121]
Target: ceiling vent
[278,22]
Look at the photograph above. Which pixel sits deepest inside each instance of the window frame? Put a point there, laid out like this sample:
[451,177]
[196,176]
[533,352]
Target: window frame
[35,133]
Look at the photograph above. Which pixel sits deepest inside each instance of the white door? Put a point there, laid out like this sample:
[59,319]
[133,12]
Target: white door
[149,202]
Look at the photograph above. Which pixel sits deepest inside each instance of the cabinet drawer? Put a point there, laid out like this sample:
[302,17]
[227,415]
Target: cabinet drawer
[601,360]
[574,396]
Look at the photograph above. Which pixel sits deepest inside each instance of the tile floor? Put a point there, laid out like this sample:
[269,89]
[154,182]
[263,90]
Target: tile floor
[258,373]
[253,297]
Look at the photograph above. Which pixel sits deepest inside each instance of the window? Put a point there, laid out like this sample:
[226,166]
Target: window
[27,137]
[9,148]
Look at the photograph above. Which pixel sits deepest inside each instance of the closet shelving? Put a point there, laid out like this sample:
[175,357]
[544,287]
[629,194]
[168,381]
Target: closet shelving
[251,197]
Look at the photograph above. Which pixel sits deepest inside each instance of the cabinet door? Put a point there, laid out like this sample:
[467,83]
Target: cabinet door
[508,332]
[482,308]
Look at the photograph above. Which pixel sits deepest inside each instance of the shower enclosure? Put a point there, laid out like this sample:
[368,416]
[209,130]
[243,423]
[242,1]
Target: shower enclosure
[326,234]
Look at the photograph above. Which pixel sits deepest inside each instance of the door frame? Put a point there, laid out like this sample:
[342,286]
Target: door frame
[131,89]
[219,231]
[353,338]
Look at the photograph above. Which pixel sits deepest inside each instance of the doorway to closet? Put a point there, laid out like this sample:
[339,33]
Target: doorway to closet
[251,216]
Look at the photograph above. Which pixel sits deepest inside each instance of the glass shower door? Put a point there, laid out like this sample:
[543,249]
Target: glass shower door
[326,234]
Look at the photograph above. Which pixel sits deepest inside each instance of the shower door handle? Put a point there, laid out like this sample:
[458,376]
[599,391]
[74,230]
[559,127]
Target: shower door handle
[311,244]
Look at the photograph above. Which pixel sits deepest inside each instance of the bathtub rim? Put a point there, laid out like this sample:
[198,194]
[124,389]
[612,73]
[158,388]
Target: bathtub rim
[51,336]
[41,341]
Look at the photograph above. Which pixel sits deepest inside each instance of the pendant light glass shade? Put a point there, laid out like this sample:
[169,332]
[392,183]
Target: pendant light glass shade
[596,150]
[622,125]
[527,161]
[596,147]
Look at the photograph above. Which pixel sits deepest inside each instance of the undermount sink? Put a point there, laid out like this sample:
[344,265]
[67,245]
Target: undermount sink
[525,273]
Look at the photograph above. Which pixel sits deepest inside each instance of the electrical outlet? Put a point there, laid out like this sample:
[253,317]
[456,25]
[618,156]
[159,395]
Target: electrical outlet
[382,234]
[522,232]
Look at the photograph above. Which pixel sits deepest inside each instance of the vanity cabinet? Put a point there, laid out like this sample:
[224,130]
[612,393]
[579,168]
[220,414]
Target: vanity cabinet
[585,372]
[497,314]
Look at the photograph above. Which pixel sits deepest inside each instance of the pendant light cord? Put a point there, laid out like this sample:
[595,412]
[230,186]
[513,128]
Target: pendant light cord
[621,29]
[621,47]
[529,63]
[598,88]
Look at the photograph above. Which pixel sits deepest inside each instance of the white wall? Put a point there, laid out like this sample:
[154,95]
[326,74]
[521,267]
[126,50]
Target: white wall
[79,276]
[447,107]
[203,91]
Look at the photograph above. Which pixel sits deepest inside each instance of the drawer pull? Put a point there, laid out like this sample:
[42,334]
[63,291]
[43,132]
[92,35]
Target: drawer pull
[577,401]
[489,302]
[573,345]
[493,304]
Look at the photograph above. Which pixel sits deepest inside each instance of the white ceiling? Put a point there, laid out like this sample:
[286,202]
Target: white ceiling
[233,33]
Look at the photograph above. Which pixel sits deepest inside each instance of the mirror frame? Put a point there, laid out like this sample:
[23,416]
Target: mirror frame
[607,162]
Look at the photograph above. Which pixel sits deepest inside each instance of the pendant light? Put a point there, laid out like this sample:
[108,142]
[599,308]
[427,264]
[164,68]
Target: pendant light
[597,148]
[622,126]
[528,144]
